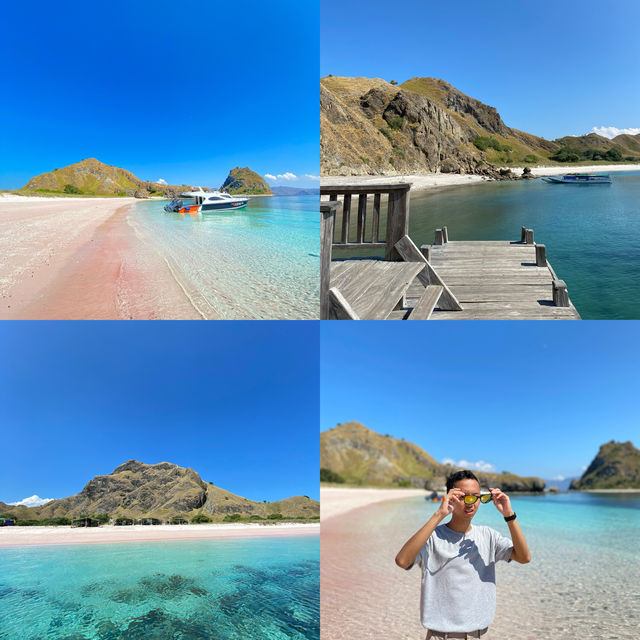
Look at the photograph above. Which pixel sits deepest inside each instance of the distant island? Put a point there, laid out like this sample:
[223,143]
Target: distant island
[372,127]
[164,492]
[350,453]
[616,466]
[91,177]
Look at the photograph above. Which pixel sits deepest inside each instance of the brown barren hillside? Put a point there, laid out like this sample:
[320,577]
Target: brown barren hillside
[162,490]
[371,127]
[360,456]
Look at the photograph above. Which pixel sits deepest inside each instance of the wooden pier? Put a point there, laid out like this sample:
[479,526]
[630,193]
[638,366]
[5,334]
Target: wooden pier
[448,280]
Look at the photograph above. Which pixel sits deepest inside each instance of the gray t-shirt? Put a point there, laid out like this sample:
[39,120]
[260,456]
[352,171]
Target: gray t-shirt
[459,577]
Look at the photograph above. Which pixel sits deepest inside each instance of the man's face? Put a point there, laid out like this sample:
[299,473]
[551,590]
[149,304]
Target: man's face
[470,488]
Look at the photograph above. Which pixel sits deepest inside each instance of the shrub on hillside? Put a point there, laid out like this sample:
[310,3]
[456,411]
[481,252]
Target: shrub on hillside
[326,475]
[232,517]
[200,518]
[396,123]
[275,516]
[69,188]
[530,158]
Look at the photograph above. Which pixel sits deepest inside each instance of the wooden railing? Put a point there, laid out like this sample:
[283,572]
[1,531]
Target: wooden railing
[367,227]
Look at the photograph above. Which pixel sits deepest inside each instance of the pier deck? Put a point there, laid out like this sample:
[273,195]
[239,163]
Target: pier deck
[473,280]
[493,280]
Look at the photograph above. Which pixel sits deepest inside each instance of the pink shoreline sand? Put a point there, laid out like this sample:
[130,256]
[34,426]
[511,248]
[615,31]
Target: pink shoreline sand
[81,259]
[40,536]
[335,501]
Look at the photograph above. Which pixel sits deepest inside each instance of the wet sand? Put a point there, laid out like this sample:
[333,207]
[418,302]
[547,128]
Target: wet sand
[36,536]
[63,258]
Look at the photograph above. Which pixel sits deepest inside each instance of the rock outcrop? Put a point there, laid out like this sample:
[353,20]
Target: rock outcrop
[241,180]
[363,457]
[616,466]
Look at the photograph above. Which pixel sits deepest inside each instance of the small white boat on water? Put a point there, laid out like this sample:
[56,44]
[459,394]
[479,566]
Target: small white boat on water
[579,178]
[215,200]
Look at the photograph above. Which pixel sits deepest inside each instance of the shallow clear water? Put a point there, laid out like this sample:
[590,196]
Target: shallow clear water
[223,589]
[582,581]
[258,262]
[592,232]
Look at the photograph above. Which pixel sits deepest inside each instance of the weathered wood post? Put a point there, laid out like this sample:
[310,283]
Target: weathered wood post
[346,217]
[529,236]
[523,234]
[445,235]
[397,219]
[362,216]
[327,223]
[560,294]
[439,240]
[425,250]
[541,255]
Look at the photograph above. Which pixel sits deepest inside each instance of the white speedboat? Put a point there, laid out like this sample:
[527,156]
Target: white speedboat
[215,200]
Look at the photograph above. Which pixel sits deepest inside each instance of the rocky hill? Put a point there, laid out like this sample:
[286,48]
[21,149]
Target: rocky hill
[371,127]
[162,490]
[361,456]
[94,178]
[616,466]
[244,181]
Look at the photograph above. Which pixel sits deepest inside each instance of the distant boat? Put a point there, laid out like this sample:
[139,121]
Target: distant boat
[216,200]
[579,178]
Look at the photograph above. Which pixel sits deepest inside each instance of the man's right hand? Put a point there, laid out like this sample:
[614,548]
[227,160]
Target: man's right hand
[453,498]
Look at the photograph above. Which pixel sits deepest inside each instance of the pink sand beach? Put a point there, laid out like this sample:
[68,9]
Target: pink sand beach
[68,258]
[36,536]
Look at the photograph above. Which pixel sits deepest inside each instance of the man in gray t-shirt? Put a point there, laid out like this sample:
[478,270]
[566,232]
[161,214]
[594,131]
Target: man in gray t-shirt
[458,561]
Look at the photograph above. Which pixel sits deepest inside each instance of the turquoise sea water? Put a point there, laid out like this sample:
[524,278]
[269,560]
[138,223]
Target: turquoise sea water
[582,581]
[592,232]
[258,262]
[223,589]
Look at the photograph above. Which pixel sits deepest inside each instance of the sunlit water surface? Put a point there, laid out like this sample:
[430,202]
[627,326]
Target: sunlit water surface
[222,589]
[258,262]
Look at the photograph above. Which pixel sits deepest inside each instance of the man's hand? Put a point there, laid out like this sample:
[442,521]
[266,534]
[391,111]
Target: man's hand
[451,500]
[502,502]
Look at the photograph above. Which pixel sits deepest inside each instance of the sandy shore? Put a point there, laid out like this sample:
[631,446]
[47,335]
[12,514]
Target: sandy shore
[80,258]
[427,181]
[335,501]
[30,536]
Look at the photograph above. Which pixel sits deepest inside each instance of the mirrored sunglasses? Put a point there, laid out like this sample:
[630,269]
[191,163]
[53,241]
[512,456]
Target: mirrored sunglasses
[484,498]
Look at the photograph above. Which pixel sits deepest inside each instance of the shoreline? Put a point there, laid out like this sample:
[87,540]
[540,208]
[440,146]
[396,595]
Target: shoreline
[336,501]
[81,258]
[430,181]
[107,534]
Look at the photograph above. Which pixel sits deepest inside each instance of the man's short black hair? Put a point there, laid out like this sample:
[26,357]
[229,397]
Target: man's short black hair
[465,474]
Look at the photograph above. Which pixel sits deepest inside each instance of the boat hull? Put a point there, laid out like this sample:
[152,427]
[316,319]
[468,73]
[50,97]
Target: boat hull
[578,179]
[223,206]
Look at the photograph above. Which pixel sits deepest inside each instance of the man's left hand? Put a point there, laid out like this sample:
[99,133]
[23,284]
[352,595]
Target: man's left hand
[502,502]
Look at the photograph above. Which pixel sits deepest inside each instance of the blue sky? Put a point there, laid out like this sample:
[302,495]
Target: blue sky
[176,91]
[551,69]
[235,401]
[533,398]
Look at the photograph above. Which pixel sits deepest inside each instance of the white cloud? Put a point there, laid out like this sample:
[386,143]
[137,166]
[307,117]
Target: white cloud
[480,465]
[161,181]
[558,479]
[311,177]
[31,501]
[584,468]
[287,176]
[269,176]
[612,132]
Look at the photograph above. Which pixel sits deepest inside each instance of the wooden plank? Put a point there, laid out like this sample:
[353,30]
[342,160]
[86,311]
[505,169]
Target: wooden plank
[374,187]
[327,221]
[375,223]
[362,217]
[360,245]
[425,306]
[409,252]
[339,308]
[346,216]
